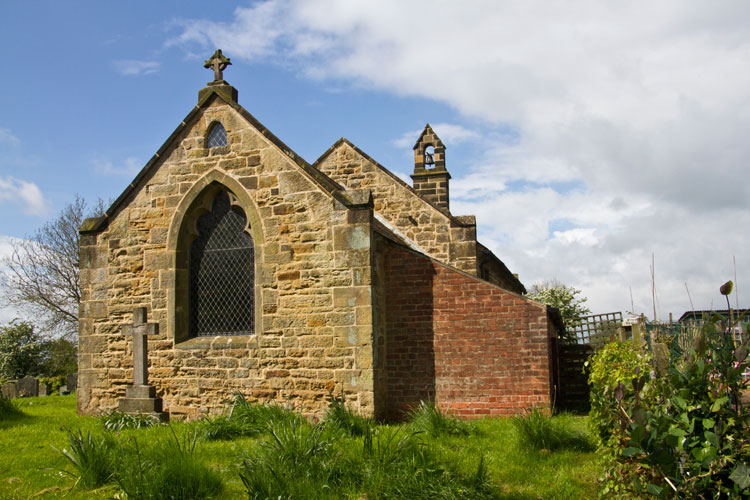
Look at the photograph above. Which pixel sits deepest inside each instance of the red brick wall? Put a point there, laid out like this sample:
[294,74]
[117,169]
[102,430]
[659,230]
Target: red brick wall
[472,347]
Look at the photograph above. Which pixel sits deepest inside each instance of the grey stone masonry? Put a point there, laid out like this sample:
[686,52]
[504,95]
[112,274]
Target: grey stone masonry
[28,387]
[141,397]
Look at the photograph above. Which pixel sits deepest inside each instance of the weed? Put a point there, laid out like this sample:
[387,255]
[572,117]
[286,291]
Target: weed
[244,419]
[342,418]
[117,421]
[92,458]
[9,409]
[538,430]
[429,419]
[169,470]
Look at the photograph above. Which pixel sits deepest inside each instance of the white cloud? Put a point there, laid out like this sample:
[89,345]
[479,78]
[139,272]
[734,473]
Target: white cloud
[26,194]
[128,168]
[449,133]
[630,120]
[131,67]
[6,136]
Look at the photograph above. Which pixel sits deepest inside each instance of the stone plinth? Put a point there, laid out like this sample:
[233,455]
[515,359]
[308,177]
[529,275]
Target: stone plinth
[141,399]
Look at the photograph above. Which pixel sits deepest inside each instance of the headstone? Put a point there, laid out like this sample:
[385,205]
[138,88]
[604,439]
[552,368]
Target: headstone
[72,382]
[43,389]
[64,390]
[141,397]
[10,390]
[28,387]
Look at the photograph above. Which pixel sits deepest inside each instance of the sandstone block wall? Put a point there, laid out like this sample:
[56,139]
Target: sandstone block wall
[445,238]
[474,348]
[313,281]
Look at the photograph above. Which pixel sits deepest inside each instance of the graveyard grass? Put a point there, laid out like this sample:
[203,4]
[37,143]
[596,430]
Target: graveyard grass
[31,468]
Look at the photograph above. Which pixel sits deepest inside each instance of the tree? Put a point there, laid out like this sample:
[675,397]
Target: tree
[563,298]
[21,351]
[42,271]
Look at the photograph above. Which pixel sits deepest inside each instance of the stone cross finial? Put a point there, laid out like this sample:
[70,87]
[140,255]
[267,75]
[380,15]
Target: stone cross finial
[218,62]
[139,330]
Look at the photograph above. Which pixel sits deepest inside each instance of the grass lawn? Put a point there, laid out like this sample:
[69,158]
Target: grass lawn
[31,468]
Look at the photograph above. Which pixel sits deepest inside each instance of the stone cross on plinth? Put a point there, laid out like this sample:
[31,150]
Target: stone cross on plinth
[218,63]
[139,330]
[141,397]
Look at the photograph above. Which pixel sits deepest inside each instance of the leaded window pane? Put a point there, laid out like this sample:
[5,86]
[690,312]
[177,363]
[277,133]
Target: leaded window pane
[217,136]
[222,273]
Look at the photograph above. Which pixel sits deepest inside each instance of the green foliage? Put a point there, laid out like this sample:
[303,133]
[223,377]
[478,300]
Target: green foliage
[61,357]
[340,417]
[563,298]
[91,457]
[429,419]
[612,367]
[53,383]
[537,430]
[21,350]
[117,421]
[685,435]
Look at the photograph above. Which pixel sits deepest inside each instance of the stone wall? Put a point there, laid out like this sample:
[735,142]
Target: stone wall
[313,328]
[474,348]
[441,236]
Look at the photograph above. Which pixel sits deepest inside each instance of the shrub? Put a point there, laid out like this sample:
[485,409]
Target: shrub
[117,421]
[538,430]
[91,457]
[616,364]
[53,383]
[429,419]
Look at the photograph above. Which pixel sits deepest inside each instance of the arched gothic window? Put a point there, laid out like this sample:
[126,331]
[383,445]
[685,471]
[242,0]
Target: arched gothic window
[217,136]
[429,157]
[222,272]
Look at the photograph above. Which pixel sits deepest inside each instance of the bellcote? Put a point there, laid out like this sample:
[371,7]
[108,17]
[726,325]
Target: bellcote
[430,176]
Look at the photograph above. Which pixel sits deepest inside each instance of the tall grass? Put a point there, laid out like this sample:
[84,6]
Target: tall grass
[92,458]
[117,421]
[169,470]
[538,430]
[429,419]
[338,416]
[9,409]
[244,419]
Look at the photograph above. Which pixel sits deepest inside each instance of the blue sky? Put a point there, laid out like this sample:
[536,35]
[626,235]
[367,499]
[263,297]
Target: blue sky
[585,137]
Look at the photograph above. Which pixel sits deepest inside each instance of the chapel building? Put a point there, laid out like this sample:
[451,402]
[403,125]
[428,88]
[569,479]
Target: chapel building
[286,281]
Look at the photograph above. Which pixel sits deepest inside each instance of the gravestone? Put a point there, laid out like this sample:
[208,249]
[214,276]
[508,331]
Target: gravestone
[43,389]
[72,382]
[28,387]
[10,390]
[140,398]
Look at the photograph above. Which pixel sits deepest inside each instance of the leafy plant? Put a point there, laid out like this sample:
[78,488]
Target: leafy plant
[117,421]
[685,435]
[244,419]
[91,457]
[428,418]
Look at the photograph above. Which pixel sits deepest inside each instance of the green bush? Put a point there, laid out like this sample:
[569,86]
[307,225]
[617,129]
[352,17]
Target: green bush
[615,365]
[684,434]
[53,383]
